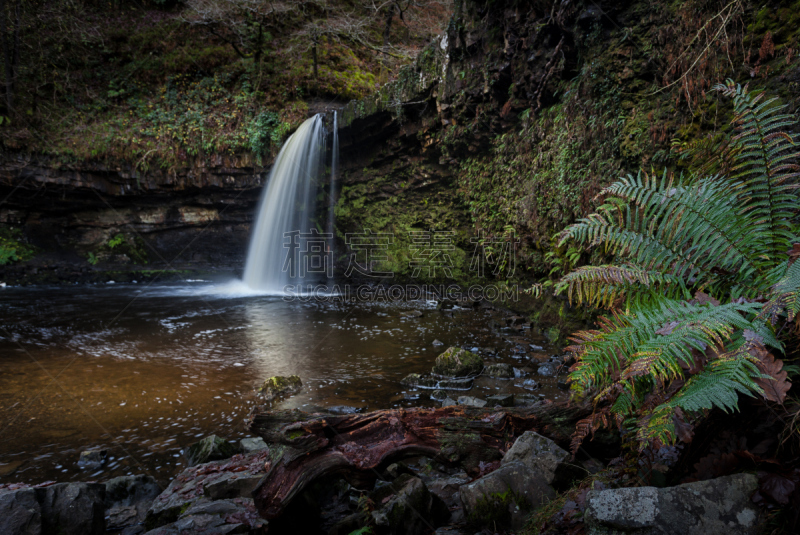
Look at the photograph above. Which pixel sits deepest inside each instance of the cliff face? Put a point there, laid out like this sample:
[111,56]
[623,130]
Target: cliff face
[77,216]
[507,125]
[512,122]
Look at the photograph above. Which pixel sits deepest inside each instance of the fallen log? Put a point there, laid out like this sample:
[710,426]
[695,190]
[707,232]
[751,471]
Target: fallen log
[304,447]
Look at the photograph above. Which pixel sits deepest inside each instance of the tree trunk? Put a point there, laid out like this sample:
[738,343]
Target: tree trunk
[8,71]
[388,27]
[304,447]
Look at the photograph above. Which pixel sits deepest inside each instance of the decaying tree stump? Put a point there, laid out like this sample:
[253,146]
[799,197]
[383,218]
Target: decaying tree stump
[304,447]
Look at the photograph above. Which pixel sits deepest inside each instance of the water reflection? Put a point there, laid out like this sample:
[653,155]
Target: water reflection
[144,372]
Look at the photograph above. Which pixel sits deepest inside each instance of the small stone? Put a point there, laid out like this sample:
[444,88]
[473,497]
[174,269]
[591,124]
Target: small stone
[470,401]
[530,384]
[500,371]
[280,386]
[547,370]
[249,445]
[438,343]
[92,459]
[438,394]
[446,402]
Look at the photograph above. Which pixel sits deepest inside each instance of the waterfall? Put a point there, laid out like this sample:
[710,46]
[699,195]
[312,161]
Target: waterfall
[332,192]
[285,216]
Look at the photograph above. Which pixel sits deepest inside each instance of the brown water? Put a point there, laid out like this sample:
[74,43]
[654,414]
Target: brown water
[146,371]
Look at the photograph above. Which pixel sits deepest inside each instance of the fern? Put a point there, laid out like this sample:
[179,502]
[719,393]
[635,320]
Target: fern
[694,259]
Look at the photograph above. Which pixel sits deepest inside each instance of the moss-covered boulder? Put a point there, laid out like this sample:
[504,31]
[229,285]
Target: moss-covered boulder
[211,448]
[457,362]
[280,386]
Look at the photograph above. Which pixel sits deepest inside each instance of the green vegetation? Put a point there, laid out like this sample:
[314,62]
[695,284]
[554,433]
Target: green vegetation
[11,248]
[702,284]
[160,84]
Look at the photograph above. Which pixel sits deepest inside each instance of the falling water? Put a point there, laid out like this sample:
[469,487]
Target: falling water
[332,193]
[287,205]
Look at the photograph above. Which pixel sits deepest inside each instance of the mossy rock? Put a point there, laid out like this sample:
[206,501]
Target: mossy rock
[280,386]
[457,362]
[211,448]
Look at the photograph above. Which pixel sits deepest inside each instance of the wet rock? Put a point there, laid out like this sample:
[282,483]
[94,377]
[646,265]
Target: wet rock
[457,362]
[438,394]
[238,515]
[537,453]
[211,448]
[534,347]
[505,497]
[488,350]
[547,370]
[446,402]
[249,445]
[233,486]
[437,343]
[92,459]
[516,321]
[718,506]
[527,400]
[411,313]
[530,384]
[343,409]
[429,382]
[20,512]
[470,401]
[73,508]
[280,386]
[499,371]
[188,487]
[127,500]
[447,489]
[409,507]
[563,384]
[501,400]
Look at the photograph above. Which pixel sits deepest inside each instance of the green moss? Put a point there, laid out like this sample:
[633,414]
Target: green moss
[495,509]
[457,362]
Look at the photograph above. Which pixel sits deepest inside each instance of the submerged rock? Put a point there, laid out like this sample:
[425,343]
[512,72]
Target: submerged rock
[280,386]
[547,370]
[457,362]
[470,401]
[500,371]
[501,400]
[92,459]
[718,506]
[211,448]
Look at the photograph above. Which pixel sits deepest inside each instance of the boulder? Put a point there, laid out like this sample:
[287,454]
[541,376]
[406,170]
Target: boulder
[73,508]
[530,384]
[127,500]
[446,402]
[249,445]
[500,400]
[211,448]
[409,507]
[537,453]
[20,513]
[189,487]
[500,371]
[238,515]
[280,386]
[719,506]
[505,497]
[471,401]
[457,362]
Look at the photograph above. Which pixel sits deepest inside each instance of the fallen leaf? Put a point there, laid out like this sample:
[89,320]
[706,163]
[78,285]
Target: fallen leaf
[777,487]
[776,385]
[703,298]
[668,328]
